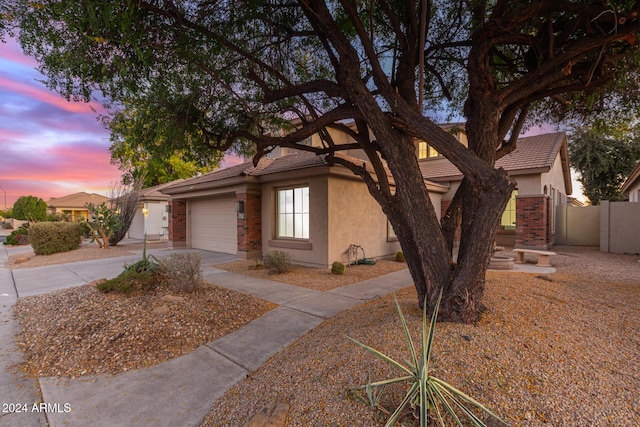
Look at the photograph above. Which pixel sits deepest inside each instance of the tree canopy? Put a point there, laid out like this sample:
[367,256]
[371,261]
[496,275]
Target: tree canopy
[232,75]
[146,145]
[29,208]
[605,157]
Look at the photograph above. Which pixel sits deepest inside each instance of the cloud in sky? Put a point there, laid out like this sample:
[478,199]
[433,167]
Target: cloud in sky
[49,147]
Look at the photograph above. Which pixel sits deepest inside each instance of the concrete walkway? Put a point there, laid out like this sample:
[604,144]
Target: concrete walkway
[181,391]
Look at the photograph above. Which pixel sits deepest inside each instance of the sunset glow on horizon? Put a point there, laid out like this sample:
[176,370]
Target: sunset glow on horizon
[49,147]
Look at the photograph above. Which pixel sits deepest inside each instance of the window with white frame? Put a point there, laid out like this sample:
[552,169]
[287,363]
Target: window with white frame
[293,213]
[425,151]
[422,150]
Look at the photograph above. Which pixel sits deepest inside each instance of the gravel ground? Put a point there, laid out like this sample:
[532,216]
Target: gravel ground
[552,350]
[90,332]
[315,278]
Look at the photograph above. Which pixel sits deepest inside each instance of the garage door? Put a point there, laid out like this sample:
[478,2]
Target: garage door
[213,225]
[136,229]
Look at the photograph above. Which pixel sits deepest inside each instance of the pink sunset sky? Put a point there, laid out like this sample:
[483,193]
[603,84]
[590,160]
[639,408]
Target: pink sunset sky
[50,147]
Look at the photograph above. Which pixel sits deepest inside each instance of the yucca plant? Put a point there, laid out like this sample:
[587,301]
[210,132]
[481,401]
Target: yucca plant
[433,397]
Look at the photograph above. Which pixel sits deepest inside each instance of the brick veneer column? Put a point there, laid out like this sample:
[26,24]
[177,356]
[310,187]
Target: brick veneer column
[178,224]
[533,222]
[250,225]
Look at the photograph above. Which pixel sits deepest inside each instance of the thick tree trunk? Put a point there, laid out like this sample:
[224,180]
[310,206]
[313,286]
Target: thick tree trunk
[481,211]
[415,223]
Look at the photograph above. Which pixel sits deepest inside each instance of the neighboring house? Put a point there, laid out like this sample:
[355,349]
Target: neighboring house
[540,166]
[632,185]
[152,214]
[74,205]
[294,203]
[298,204]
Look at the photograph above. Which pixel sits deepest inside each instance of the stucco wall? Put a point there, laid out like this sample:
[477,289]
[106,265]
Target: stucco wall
[578,226]
[634,193]
[620,227]
[356,218]
[311,252]
[529,185]
[154,219]
[554,178]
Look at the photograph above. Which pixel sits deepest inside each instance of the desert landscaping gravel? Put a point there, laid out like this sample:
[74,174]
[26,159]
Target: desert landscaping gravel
[551,350]
[556,349]
[82,331]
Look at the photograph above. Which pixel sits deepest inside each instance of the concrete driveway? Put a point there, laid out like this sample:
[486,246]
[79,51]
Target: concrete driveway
[41,280]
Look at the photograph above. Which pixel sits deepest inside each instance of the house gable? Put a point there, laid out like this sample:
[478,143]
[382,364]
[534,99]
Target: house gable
[632,184]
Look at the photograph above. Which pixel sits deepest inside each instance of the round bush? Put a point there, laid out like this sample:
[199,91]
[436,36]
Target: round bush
[53,237]
[337,268]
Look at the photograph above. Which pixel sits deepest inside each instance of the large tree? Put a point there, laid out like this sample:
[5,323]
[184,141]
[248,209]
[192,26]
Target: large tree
[604,156]
[240,70]
[146,144]
[30,208]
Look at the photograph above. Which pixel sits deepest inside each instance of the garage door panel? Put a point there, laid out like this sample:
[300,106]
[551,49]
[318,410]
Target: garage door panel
[136,229]
[214,225]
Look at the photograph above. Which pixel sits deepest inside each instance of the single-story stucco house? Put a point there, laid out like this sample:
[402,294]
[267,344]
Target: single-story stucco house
[152,214]
[632,184]
[294,202]
[74,204]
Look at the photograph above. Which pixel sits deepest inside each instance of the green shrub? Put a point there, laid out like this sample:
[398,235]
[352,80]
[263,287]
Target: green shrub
[148,263]
[400,257]
[103,222]
[30,207]
[337,268]
[129,281]
[182,271]
[19,236]
[53,237]
[277,262]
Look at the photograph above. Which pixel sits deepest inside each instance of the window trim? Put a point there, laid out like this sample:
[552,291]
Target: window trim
[277,233]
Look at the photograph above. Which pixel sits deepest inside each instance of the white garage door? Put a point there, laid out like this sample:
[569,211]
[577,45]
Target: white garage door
[136,229]
[213,225]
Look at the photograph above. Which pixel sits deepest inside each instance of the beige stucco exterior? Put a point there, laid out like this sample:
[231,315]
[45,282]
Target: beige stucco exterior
[311,251]
[632,185]
[342,213]
[356,218]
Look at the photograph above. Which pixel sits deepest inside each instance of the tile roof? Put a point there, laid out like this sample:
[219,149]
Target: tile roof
[153,193]
[76,200]
[532,153]
[265,166]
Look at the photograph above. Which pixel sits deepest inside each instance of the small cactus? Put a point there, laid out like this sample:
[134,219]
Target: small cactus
[337,268]
[400,257]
